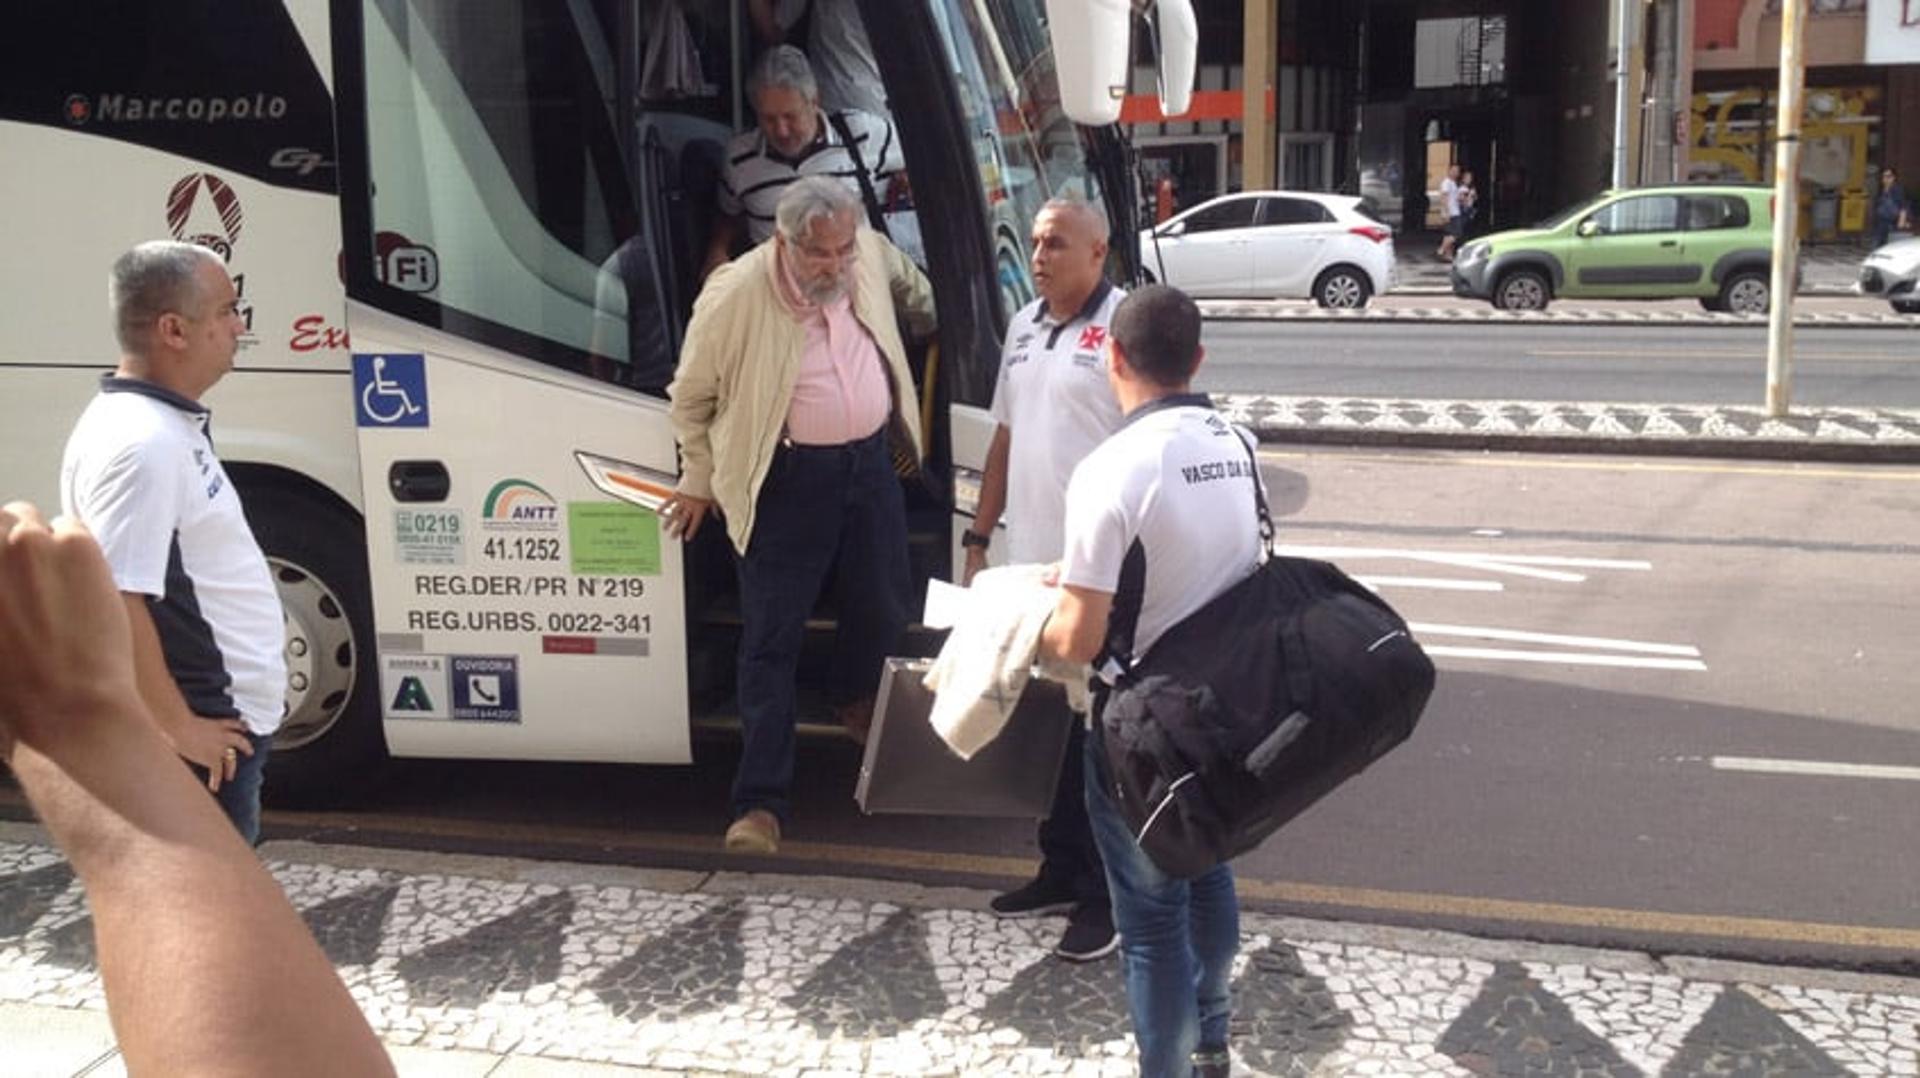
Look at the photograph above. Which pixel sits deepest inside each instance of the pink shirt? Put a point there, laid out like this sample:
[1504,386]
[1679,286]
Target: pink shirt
[841,393]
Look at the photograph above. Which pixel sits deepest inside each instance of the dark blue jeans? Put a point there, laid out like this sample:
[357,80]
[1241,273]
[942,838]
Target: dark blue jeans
[832,511]
[1177,940]
[240,797]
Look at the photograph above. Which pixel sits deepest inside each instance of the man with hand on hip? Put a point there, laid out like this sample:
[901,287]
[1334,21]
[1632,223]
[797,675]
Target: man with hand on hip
[140,472]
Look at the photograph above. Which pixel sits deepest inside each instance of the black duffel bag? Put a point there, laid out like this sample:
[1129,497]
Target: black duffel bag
[1255,706]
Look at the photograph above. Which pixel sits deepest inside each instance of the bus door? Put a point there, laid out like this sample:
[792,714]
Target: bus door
[511,346]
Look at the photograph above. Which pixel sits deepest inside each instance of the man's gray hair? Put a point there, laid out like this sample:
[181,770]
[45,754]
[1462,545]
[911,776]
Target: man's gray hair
[1094,216]
[808,199]
[785,67]
[155,278]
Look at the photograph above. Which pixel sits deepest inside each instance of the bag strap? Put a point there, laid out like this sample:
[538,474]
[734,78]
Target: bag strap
[1293,636]
[1123,621]
[874,215]
[1259,495]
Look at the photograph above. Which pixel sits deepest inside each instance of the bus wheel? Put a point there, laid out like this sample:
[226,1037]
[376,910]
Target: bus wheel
[330,744]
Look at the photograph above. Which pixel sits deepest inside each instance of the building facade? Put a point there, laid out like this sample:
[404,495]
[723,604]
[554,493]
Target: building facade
[1379,97]
[1862,102]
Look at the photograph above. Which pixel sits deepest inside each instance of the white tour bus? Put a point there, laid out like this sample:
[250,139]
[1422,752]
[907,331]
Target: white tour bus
[465,234]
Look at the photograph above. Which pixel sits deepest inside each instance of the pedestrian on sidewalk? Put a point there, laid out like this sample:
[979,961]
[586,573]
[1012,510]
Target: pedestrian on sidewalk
[1890,208]
[1469,203]
[792,385]
[141,473]
[1450,209]
[1052,405]
[1169,495]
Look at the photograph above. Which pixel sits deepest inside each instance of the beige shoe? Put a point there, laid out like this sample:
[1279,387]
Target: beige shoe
[756,832]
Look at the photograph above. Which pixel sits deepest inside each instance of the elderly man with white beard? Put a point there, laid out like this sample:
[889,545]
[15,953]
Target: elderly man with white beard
[791,393]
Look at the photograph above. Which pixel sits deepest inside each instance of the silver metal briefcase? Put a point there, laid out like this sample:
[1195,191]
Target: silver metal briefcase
[909,770]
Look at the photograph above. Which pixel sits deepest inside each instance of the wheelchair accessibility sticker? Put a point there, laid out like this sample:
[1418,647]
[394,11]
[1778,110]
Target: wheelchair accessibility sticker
[390,390]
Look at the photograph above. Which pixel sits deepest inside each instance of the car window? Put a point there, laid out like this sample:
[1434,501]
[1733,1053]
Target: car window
[1707,212]
[1641,213]
[1293,211]
[1233,213]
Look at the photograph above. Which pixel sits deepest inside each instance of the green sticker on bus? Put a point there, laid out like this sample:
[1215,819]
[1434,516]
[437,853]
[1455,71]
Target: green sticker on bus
[610,539]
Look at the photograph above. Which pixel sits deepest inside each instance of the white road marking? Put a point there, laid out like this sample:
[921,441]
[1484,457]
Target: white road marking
[1330,552]
[1826,768]
[1521,636]
[1570,658]
[1578,650]
[1438,583]
[1537,566]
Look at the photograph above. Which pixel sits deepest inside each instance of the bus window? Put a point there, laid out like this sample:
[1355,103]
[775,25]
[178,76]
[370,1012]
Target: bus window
[501,210]
[1026,148]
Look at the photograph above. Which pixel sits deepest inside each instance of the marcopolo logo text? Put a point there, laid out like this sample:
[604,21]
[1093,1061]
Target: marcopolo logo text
[132,108]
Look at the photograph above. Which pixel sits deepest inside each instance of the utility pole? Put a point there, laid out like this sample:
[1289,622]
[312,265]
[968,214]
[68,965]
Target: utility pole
[1259,67]
[1623,11]
[1786,207]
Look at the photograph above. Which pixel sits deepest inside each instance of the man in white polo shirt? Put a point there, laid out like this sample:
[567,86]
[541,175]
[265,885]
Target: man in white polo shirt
[794,137]
[1161,519]
[1053,405]
[140,472]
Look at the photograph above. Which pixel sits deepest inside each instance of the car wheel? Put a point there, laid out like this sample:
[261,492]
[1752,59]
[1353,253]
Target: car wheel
[1906,306]
[1522,290]
[1746,293]
[330,744]
[1342,288]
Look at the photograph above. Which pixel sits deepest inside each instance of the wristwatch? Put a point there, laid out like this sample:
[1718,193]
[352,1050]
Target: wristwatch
[971,538]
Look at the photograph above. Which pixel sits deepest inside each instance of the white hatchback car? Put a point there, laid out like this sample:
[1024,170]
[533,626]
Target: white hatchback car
[1274,244]
[1892,272]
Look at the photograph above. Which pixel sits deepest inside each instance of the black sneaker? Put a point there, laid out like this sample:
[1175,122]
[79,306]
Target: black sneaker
[1041,896]
[1089,935]
[1212,1063]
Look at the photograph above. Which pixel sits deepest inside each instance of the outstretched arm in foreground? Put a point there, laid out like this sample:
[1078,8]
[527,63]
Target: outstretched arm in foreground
[207,968]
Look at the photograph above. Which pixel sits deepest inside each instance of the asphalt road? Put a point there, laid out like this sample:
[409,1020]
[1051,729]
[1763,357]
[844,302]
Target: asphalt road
[1676,712]
[1687,364]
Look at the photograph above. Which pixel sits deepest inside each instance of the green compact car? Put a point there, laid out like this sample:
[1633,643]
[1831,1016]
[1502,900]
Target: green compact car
[1710,242]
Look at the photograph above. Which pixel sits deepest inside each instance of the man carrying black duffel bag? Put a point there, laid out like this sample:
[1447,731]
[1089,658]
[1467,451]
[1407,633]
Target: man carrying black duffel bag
[1172,490]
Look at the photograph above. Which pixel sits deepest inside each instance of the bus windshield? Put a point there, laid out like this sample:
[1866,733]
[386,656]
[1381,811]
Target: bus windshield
[1027,149]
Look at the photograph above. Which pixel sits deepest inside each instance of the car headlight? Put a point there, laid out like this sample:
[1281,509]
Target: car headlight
[1471,253]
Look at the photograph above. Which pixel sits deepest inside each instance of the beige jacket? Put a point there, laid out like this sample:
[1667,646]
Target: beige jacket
[741,357]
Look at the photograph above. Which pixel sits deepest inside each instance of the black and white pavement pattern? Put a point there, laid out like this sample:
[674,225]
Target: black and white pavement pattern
[745,974]
[1869,430]
[1570,314]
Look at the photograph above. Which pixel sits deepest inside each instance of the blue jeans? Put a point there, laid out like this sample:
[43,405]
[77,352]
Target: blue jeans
[819,507]
[1178,939]
[239,797]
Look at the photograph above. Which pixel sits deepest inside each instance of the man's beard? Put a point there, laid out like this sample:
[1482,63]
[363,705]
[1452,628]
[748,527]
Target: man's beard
[823,290]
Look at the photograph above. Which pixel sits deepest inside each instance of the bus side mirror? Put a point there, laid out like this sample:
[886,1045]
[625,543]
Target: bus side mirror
[1179,54]
[1090,45]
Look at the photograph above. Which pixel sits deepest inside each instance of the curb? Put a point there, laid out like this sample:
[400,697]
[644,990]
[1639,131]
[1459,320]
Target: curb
[1818,291]
[1832,435]
[1218,311]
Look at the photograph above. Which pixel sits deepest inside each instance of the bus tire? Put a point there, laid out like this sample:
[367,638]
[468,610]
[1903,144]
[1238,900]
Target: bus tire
[330,745]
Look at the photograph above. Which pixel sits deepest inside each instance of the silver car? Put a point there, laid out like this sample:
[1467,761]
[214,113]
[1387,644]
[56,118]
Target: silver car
[1893,272]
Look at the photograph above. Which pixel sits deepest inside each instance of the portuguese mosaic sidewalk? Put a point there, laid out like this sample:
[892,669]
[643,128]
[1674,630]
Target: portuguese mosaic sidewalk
[485,966]
[1866,435]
